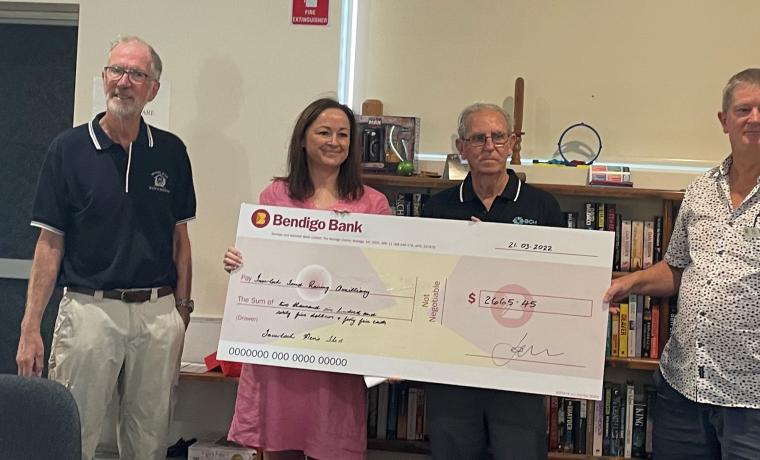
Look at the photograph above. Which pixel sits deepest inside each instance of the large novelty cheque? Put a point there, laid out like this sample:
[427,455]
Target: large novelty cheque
[479,304]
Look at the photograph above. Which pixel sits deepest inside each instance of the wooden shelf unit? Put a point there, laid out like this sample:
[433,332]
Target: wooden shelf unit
[641,364]
[433,183]
[423,447]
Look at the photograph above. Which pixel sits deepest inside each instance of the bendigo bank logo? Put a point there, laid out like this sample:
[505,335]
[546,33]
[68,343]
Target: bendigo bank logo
[260,218]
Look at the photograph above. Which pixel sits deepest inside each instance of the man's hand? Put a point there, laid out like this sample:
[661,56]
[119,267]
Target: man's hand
[31,354]
[619,289]
[184,312]
[232,260]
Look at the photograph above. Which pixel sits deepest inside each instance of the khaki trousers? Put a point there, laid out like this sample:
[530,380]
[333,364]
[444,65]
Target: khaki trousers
[103,347]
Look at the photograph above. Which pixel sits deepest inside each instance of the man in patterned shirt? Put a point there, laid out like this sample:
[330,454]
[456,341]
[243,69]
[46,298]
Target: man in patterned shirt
[708,384]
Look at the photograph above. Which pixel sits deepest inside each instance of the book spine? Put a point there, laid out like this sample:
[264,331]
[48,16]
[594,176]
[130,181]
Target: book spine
[654,349]
[648,244]
[651,397]
[615,334]
[601,216]
[608,341]
[629,419]
[417,204]
[590,222]
[599,417]
[624,325]
[569,414]
[657,256]
[646,328]
[403,412]
[411,415]
[571,219]
[639,324]
[382,410]
[611,221]
[400,205]
[632,316]
[420,435]
[625,246]
[615,421]
[638,436]
[394,393]
[607,422]
[372,394]
[561,425]
[637,245]
[553,425]
[580,433]
[616,257]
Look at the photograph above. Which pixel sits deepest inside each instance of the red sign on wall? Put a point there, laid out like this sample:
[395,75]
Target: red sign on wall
[310,12]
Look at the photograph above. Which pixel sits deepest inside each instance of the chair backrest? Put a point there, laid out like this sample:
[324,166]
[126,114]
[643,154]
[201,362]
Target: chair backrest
[39,419]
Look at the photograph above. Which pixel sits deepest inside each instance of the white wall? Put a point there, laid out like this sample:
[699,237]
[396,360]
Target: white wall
[240,73]
[647,75]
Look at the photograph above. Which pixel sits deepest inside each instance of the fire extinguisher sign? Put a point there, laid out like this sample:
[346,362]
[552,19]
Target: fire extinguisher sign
[310,12]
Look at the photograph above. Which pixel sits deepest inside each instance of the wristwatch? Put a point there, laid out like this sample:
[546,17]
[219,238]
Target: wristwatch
[187,304]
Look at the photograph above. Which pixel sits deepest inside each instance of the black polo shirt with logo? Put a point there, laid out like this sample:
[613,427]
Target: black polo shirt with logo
[116,210]
[519,203]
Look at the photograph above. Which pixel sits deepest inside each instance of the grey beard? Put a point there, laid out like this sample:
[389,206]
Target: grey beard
[120,110]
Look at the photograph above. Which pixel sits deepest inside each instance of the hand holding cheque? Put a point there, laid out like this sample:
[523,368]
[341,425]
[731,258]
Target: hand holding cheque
[476,304]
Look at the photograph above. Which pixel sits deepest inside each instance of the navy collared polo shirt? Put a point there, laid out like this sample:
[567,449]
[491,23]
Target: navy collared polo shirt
[116,209]
[519,203]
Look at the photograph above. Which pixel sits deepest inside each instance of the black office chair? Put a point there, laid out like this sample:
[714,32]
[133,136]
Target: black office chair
[39,419]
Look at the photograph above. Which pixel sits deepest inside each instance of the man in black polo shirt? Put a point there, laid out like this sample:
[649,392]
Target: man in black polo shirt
[112,205]
[464,422]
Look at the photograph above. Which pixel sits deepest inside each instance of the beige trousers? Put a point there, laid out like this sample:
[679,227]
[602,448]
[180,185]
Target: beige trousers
[103,347]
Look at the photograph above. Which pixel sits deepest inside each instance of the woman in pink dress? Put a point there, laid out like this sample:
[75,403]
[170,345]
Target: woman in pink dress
[288,413]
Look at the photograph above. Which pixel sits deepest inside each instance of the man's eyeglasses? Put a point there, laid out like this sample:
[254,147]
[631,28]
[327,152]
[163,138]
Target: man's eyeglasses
[115,72]
[479,140]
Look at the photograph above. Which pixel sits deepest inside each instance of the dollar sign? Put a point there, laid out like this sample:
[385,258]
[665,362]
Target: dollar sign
[471,298]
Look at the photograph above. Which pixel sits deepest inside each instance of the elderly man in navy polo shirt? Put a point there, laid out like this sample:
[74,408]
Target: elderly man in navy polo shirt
[112,204]
[464,423]
[708,383]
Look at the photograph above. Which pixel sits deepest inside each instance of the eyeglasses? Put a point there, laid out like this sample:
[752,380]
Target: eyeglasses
[115,72]
[479,140]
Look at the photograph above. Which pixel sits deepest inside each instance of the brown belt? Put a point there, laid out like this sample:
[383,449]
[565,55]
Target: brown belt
[125,295]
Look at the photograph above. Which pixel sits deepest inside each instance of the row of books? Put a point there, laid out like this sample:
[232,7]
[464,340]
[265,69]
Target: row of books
[409,204]
[634,331]
[618,425]
[638,243]
[396,411]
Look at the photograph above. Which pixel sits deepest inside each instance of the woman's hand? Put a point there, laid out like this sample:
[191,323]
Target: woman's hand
[233,259]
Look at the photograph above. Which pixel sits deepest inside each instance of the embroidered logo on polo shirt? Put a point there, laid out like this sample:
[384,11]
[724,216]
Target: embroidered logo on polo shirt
[524,221]
[159,182]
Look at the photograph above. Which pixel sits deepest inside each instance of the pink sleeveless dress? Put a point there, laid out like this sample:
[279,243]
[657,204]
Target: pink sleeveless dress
[320,413]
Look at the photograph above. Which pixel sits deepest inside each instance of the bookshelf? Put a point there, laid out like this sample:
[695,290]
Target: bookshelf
[633,201]
[423,447]
[670,199]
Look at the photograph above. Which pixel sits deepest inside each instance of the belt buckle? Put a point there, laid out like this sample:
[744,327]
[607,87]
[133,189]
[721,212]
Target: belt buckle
[124,295]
